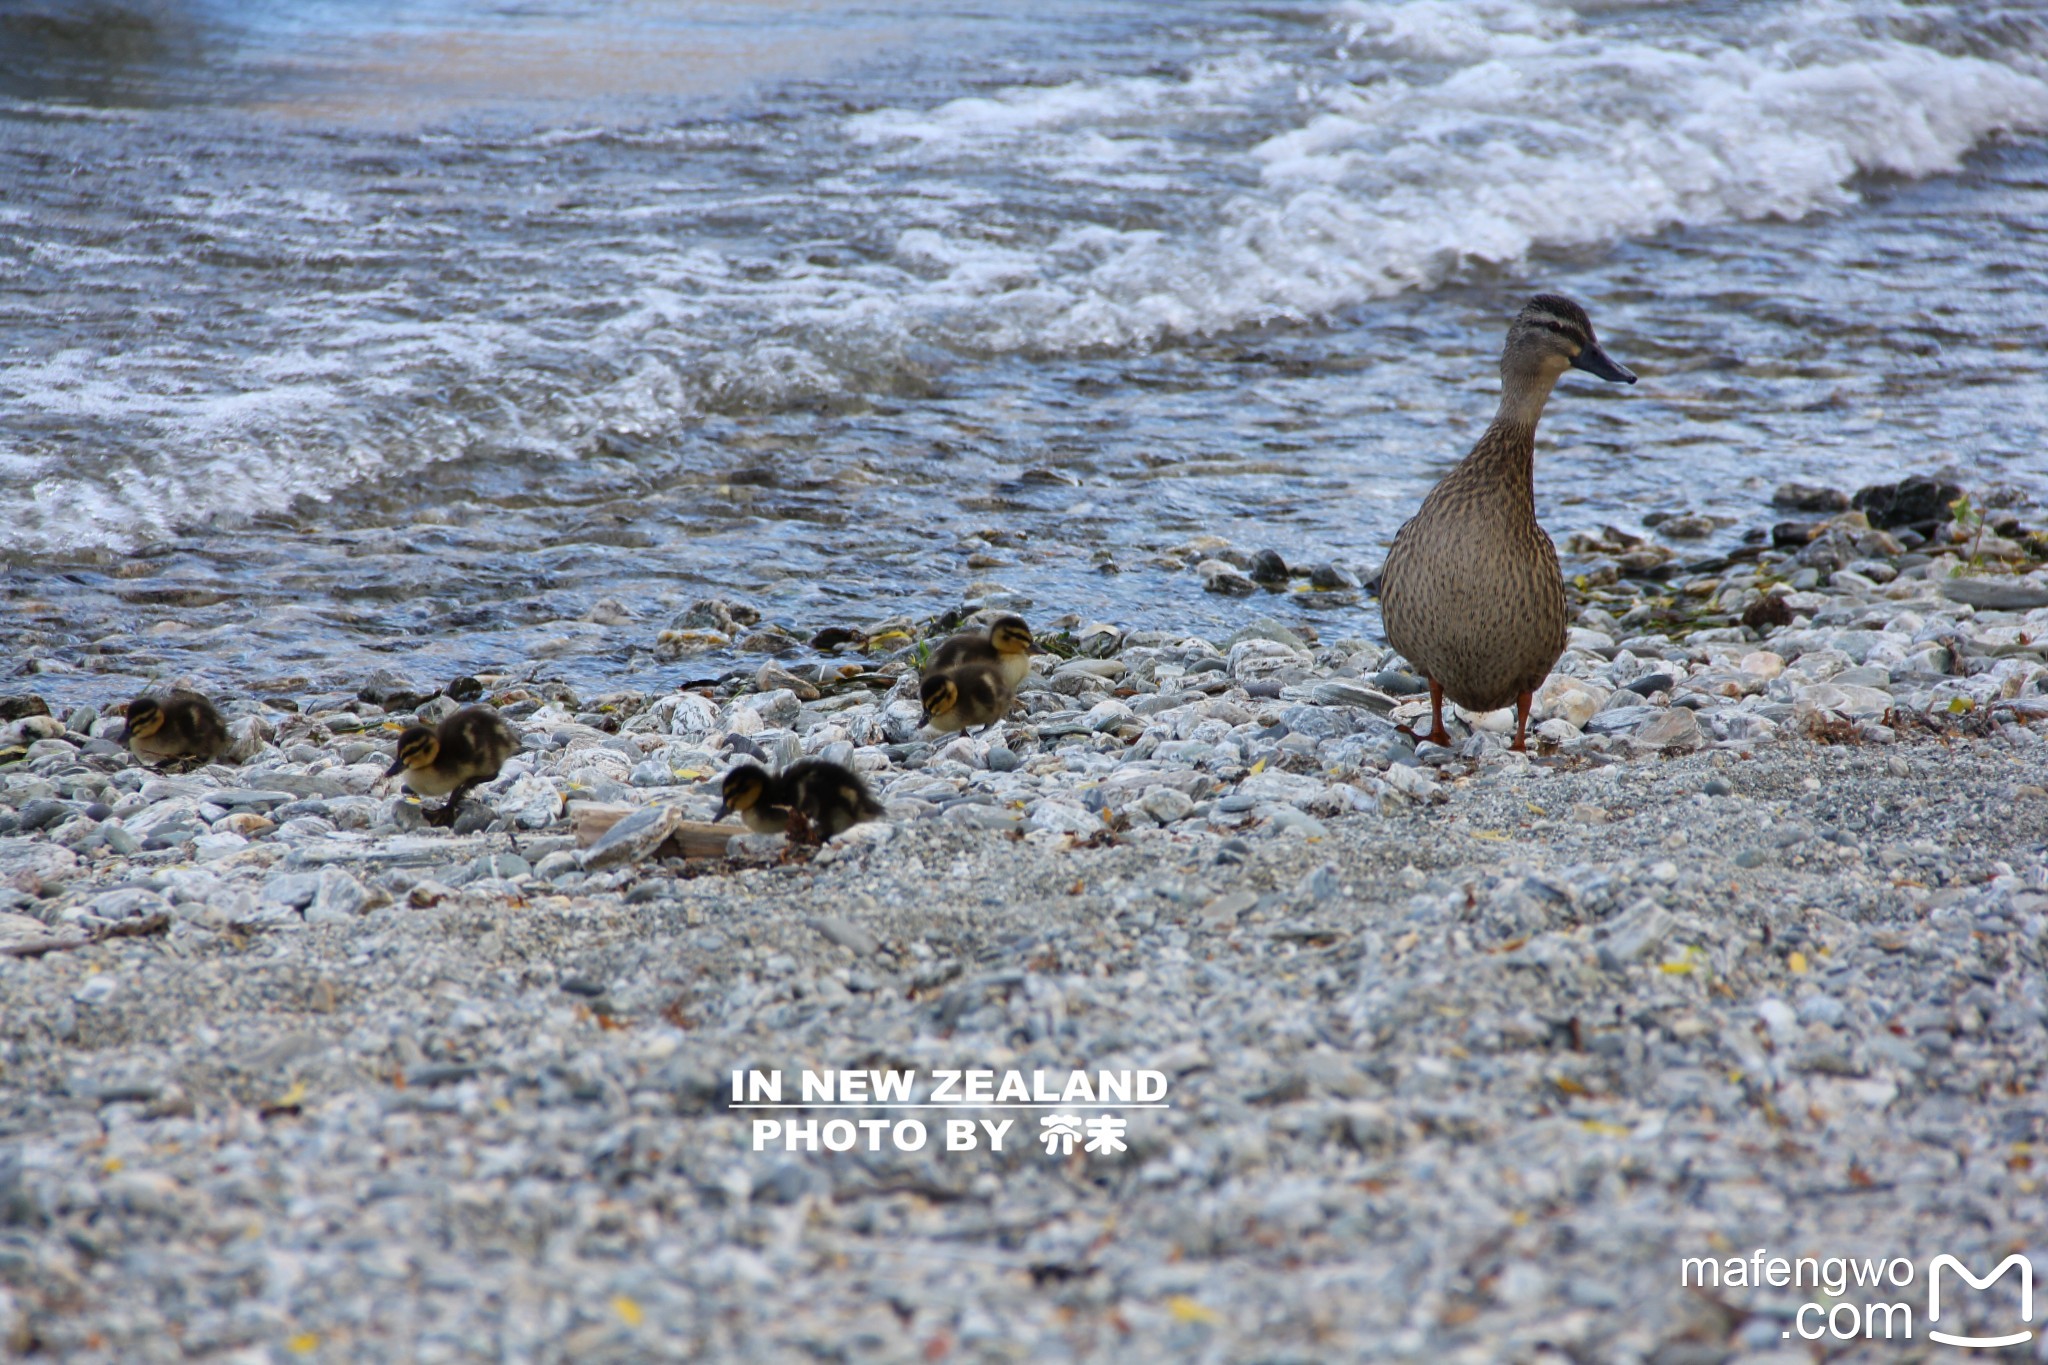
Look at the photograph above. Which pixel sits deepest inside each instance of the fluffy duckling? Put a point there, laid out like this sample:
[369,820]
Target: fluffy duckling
[811,800]
[965,695]
[466,749]
[177,725]
[757,797]
[1471,593]
[1008,645]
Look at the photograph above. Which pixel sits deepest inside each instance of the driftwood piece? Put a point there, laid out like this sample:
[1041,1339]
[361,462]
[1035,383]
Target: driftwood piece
[131,928]
[688,839]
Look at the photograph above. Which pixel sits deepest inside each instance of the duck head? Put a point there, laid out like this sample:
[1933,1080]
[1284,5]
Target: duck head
[743,789]
[1552,334]
[418,747]
[145,717]
[1010,635]
[940,694]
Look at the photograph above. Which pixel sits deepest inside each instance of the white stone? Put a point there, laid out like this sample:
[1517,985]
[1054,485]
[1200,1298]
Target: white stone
[1573,700]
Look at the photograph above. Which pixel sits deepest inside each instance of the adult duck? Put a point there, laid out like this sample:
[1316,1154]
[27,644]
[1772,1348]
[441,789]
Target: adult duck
[1471,592]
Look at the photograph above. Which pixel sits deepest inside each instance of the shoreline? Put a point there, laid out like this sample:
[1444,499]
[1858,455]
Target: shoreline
[1466,1051]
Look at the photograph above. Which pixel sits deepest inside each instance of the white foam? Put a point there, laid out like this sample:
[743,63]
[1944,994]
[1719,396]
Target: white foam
[1503,128]
[1273,178]
[1086,107]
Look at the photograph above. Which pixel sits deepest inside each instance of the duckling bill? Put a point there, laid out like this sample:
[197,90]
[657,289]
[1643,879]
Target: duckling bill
[1008,645]
[965,695]
[811,800]
[1471,593]
[466,749]
[178,725]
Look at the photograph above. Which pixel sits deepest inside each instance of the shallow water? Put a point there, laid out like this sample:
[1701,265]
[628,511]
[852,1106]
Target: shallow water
[349,337]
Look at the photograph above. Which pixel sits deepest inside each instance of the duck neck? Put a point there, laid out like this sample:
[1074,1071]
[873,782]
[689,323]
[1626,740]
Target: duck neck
[1507,452]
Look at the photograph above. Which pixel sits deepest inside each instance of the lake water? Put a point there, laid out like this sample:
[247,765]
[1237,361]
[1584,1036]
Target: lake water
[336,337]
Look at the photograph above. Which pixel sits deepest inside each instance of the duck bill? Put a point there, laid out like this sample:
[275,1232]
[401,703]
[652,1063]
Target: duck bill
[397,767]
[1599,364]
[722,811]
[924,719]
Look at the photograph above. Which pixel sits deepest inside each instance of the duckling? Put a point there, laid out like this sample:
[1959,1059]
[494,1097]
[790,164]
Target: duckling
[177,725]
[964,695]
[811,800]
[754,794]
[832,799]
[466,749]
[1471,592]
[1008,645]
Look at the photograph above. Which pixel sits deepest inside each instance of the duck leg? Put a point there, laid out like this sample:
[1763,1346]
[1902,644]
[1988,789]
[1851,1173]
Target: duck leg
[1522,703]
[446,814]
[1437,734]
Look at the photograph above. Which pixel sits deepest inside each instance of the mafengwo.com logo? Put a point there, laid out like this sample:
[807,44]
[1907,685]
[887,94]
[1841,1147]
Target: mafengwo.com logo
[1856,1302]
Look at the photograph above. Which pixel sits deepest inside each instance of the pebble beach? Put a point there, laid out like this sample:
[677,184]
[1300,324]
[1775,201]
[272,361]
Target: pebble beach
[1467,1049]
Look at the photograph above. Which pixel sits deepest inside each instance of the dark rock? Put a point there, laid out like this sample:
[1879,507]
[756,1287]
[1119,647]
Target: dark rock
[1791,535]
[1269,568]
[1220,577]
[1654,682]
[833,637]
[1332,578]
[99,810]
[1265,689]
[43,813]
[464,689]
[583,985]
[1718,787]
[474,818]
[773,640]
[1806,497]
[1920,502]
[386,689]
[1687,527]
[1767,613]
[18,708]
[1398,684]
[740,744]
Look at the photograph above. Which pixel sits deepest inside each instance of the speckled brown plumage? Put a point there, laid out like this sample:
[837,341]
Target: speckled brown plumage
[1471,592]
